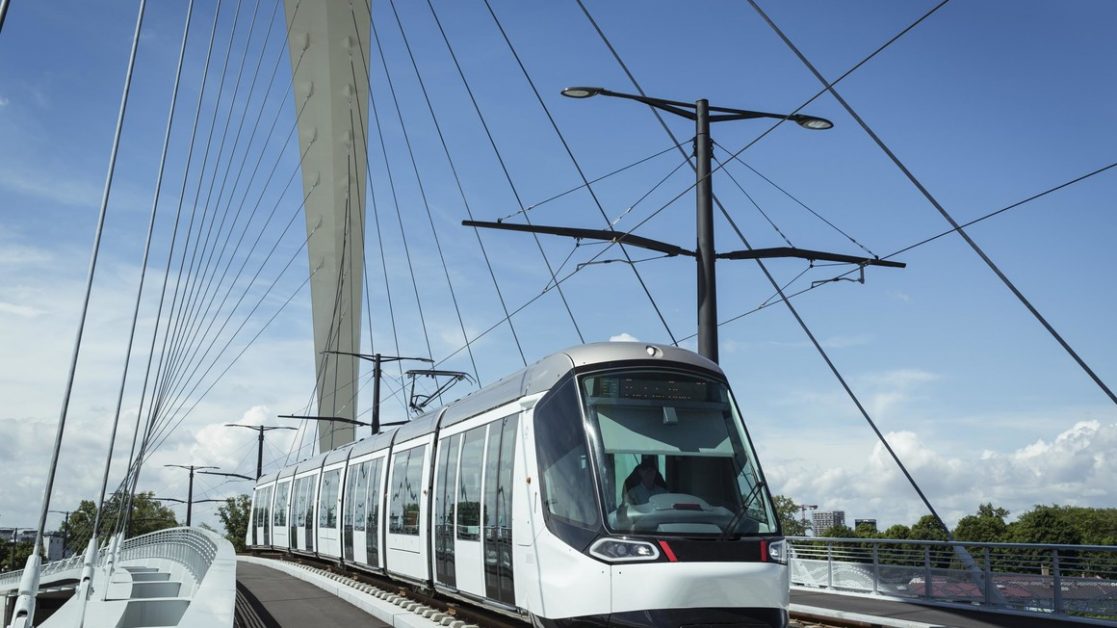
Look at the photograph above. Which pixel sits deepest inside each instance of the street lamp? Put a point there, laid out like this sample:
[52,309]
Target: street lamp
[260,450]
[704,253]
[190,491]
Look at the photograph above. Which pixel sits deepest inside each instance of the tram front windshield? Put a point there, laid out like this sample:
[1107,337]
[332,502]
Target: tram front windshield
[673,457]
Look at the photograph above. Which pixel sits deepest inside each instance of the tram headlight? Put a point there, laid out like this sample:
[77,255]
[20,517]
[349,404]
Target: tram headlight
[621,550]
[777,552]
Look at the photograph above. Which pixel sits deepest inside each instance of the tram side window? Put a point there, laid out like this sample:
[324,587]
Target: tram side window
[564,464]
[469,485]
[297,517]
[372,515]
[347,501]
[447,471]
[266,511]
[407,490]
[280,515]
[358,499]
[327,499]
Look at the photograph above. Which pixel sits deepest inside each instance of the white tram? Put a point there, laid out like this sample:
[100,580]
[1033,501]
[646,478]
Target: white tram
[612,484]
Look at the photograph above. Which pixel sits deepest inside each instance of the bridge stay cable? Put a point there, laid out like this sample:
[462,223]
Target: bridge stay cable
[178,383]
[99,503]
[133,472]
[461,193]
[767,302]
[206,278]
[507,175]
[772,280]
[937,205]
[399,214]
[578,168]
[419,182]
[184,284]
[183,398]
[24,611]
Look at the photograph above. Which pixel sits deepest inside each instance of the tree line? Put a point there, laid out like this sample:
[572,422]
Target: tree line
[1050,525]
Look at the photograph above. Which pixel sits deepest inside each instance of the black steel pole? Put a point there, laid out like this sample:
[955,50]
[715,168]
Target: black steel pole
[260,454]
[376,393]
[707,282]
[190,497]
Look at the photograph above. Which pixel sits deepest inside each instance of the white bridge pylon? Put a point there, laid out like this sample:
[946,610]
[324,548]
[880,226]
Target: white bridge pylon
[329,46]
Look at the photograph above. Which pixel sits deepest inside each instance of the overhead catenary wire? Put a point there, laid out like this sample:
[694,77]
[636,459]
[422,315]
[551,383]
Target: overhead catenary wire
[662,123]
[795,199]
[938,206]
[752,201]
[933,238]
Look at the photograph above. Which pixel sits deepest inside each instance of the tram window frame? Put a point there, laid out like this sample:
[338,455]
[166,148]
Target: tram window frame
[470,471]
[561,432]
[499,465]
[279,512]
[407,491]
[327,499]
[445,507]
[372,513]
[359,498]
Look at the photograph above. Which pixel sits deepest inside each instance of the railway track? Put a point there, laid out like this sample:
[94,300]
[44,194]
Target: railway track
[472,615]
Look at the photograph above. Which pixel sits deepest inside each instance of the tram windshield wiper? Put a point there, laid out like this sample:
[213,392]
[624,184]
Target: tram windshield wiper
[740,514]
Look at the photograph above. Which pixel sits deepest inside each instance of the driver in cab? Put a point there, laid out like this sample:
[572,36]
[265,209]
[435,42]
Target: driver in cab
[648,482]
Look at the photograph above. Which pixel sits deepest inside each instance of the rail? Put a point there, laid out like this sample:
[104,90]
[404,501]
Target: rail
[1068,581]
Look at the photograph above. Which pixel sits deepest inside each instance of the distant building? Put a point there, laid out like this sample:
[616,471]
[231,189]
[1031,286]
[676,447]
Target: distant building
[52,540]
[823,521]
[869,524]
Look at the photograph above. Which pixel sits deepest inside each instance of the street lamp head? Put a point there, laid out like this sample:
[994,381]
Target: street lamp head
[582,92]
[811,122]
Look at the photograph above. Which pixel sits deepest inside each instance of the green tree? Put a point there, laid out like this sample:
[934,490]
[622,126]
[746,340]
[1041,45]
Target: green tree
[898,531]
[928,529]
[148,515]
[840,531]
[788,512]
[987,526]
[14,556]
[235,514]
[1044,524]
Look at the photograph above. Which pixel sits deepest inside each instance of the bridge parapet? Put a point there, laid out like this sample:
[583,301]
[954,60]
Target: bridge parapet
[179,576]
[1071,582]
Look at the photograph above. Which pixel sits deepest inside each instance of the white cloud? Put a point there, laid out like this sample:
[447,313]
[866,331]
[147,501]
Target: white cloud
[23,311]
[4,101]
[1077,467]
[624,337]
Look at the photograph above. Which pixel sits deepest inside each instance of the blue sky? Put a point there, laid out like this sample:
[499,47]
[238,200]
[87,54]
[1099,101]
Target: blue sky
[987,103]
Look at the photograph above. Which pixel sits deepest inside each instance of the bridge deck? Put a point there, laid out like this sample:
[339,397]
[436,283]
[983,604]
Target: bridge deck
[281,600]
[918,614]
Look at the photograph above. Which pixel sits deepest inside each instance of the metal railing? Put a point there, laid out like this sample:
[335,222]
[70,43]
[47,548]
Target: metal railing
[191,547]
[1071,581]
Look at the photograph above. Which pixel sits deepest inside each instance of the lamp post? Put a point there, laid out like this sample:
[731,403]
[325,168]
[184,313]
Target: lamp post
[260,450]
[377,359]
[704,253]
[190,491]
[699,111]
